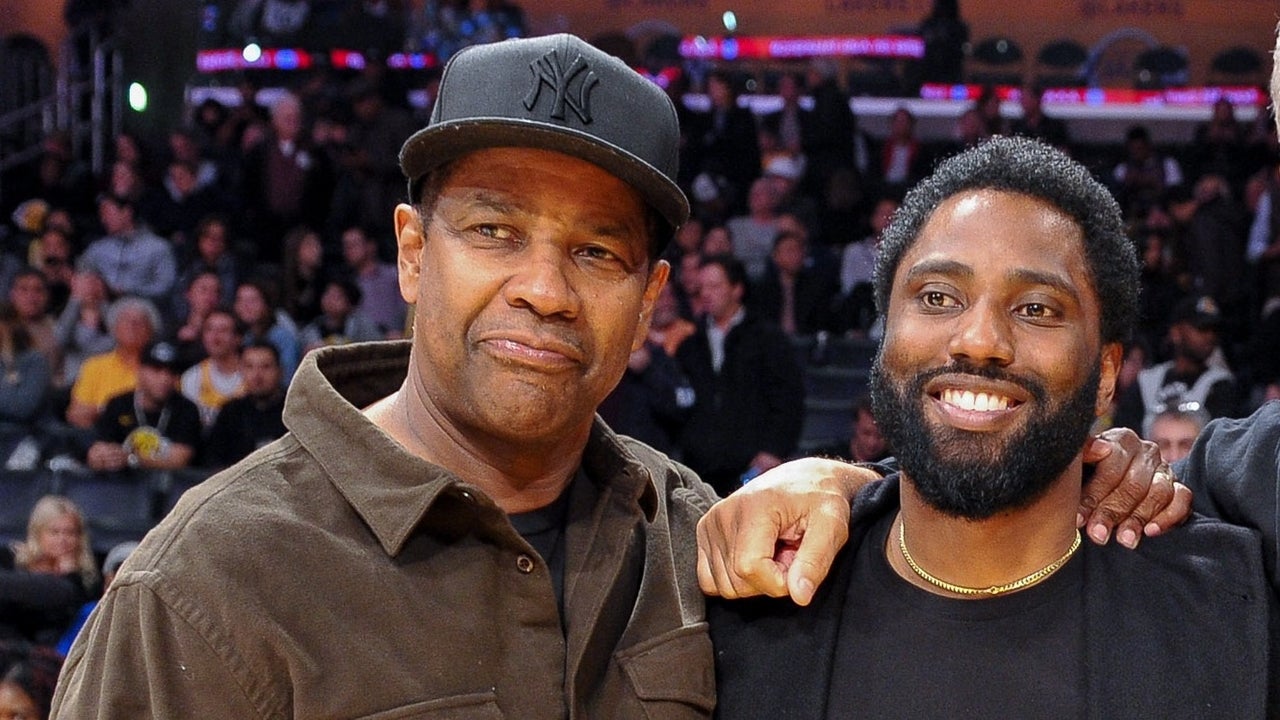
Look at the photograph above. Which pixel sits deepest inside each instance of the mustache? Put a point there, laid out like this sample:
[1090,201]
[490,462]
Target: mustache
[1033,386]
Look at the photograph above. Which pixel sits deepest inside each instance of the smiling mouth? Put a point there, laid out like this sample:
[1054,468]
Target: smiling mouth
[977,401]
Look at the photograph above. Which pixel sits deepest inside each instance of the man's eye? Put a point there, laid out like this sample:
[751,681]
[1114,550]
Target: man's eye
[496,232]
[938,299]
[1037,310]
[597,253]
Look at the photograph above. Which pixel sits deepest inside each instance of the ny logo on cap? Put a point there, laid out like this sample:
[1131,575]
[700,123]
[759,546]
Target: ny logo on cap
[549,70]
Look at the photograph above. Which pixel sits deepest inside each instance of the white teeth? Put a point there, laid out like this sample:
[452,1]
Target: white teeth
[980,402]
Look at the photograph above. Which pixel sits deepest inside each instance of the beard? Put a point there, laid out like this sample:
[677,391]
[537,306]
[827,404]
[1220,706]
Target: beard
[974,475]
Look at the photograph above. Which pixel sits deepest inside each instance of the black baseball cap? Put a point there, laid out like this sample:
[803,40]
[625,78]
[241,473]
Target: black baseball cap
[1199,311]
[559,93]
[162,355]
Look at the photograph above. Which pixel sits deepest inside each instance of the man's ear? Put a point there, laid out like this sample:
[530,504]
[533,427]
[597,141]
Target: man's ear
[653,286]
[1111,362]
[410,238]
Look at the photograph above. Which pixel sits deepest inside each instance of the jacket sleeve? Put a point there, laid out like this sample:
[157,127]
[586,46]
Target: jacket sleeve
[1234,472]
[141,656]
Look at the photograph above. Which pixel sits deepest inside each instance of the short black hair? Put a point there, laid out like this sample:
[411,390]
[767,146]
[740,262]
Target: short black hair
[262,345]
[733,268]
[1028,167]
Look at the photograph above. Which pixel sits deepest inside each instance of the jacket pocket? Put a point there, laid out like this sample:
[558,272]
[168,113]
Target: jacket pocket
[675,667]
[476,706]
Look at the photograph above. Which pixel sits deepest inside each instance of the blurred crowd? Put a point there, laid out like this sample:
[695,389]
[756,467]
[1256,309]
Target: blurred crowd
[184,282]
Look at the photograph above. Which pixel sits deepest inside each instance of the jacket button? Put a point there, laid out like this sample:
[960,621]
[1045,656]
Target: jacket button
[524,564]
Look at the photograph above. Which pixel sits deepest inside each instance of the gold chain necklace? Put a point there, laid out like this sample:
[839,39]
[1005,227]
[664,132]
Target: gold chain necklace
[1036,576]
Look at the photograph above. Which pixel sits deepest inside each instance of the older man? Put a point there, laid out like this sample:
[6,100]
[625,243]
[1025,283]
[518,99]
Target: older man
[447,528]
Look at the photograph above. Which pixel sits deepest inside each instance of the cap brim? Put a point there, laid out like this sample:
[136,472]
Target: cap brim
[438,144]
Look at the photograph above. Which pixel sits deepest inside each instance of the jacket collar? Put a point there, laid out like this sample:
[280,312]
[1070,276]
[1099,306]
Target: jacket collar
[389,487]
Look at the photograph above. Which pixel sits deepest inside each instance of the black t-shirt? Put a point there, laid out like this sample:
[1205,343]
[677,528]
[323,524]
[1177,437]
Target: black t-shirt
[242,426]
[904,652]
[178,420]
[543,528]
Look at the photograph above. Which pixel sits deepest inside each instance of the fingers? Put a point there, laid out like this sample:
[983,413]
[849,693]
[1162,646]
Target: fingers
[1159,495]
[1122,480]
[736,554]
[826,532]
[1174,514]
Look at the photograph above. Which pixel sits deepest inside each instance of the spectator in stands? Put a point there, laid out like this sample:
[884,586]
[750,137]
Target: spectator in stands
[903,160]
[110,568]
[25,382]
[131,259]
[253,419]
[1263,250]
[790,125]
[134,323]
[970,130]
[255,307]
[1219,146]
[667,328]
[791,295]
[184,147]
[285,182]
[1263,360]
[1033,123]
[1144,174]
[213,250]
[82,329]
[217,379]
[726,139]
[749,397]
[58,178]
[1192,380]
[303,273]
[28,675]
[652,401]
[151,426]
[1174,432]
[1160,288]
[127,182]
[831,144]
[16,703]
[718,241]
[1213,250]
[184,203]
[340,320]
[856,308]
[785,173]
[686,283]
[52,254]
[45,580]
[378,281]
[129,150]
[29,297]
[753,233]
[200,298]
[372,161]
[866,443]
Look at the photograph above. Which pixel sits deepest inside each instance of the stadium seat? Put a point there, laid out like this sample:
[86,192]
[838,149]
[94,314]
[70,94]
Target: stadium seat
[19,491]
[117,506]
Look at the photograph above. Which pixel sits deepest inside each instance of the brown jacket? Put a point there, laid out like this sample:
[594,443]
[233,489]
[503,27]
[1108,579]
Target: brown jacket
[334,575]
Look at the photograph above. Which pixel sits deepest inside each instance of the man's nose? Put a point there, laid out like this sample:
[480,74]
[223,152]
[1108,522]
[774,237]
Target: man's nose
[983,335]
[544,282]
